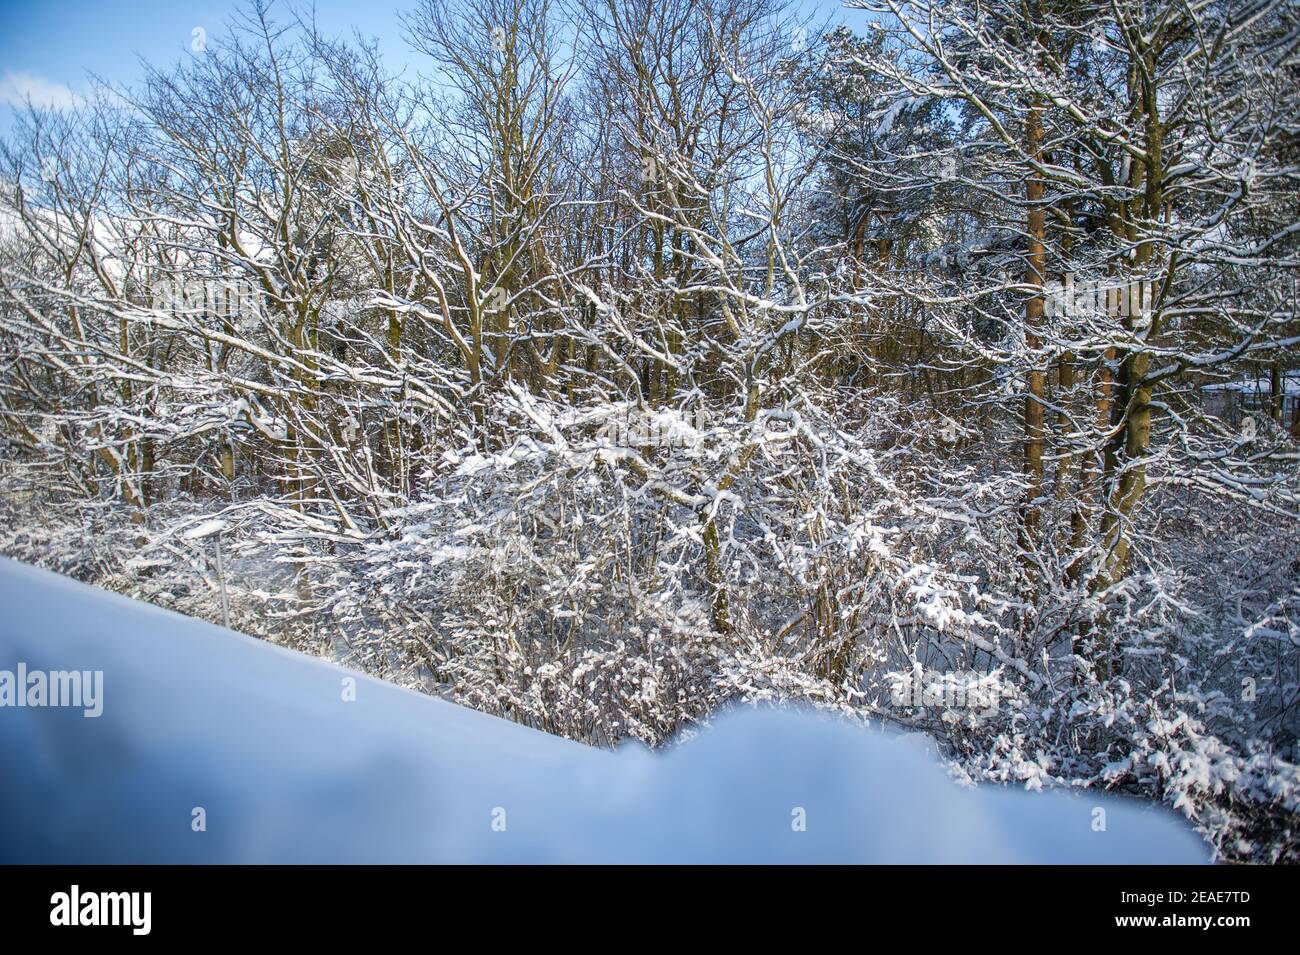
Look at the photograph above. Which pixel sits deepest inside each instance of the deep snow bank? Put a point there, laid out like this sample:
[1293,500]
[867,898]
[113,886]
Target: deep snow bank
[287,768]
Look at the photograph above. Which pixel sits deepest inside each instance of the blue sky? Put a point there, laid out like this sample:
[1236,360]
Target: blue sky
[48,48]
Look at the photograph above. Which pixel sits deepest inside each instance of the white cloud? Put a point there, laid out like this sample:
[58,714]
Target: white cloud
[17,88]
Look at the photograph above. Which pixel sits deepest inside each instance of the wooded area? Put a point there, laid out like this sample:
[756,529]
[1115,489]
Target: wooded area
[641,355]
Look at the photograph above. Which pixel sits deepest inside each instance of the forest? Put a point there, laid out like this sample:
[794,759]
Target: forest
[936,367]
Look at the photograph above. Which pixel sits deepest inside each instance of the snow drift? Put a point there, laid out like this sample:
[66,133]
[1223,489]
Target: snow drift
[287,758]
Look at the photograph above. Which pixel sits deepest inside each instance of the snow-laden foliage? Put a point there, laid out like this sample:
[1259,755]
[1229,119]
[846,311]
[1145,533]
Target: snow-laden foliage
[940,375]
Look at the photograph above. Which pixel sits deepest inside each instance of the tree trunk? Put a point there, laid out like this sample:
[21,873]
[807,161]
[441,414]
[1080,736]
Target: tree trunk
[1036,383]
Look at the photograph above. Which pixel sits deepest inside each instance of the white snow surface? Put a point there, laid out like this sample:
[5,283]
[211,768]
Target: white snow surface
[206,529]
[286,770]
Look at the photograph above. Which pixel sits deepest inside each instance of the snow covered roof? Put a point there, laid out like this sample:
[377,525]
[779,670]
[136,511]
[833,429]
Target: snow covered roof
[289,762]
[1259,385]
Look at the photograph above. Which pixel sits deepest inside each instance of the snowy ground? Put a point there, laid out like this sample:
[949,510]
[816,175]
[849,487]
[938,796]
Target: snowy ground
[286,766]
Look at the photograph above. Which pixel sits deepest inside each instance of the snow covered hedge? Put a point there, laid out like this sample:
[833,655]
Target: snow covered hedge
[553,588]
